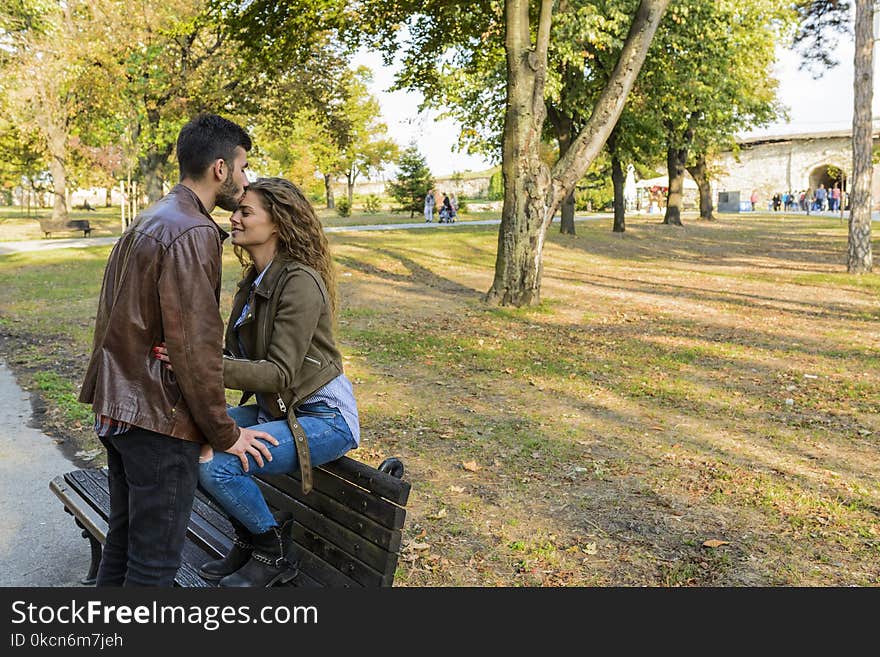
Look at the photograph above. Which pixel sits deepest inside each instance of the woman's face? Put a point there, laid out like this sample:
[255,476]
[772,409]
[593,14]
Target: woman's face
[252,226]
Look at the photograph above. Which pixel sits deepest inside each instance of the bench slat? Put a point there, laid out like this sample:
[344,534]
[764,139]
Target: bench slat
[319,570]
[92,520]
[329,507]
[351,497]
[342,537]
[381,483]
[340,560]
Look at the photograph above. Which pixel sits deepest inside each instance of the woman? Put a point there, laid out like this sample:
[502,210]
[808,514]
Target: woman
[280,349]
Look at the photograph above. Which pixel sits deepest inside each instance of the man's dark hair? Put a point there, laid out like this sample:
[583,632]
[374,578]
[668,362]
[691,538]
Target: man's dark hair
[208,137]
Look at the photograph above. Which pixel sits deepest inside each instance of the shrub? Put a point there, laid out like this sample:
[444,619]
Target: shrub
[496,186]
[343,207]
[462,207]
[371,205]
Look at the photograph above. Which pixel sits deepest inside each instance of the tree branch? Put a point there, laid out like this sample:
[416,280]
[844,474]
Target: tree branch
[572,166]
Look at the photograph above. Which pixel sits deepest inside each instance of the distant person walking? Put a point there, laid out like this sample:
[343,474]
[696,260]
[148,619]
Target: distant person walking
[447,214]
[754,200]
[821,198]
[835,198]
[429,206]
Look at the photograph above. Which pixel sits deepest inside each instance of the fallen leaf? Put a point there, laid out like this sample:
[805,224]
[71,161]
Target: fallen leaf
[456,489]
[590,548]
[714,543]
[470,466]
[440,514]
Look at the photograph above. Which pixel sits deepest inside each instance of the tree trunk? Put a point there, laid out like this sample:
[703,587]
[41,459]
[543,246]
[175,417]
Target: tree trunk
[532,193]
[56,141]
[328,188]
[564,127]
[566,225]
[618,180]
[675,160]
[59,188]
[859,256]
[350,178]
[151,166]
[700,173]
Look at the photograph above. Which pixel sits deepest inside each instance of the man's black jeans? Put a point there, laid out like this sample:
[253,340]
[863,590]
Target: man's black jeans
[152,485]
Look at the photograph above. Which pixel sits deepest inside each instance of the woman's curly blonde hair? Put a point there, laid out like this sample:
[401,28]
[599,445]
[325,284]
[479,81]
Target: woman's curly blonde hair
[300,234]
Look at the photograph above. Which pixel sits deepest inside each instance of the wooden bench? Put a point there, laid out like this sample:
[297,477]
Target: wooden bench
[346,532]
[48,226]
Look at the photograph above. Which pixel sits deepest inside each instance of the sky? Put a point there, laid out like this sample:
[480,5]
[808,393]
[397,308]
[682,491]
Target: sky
[814,106]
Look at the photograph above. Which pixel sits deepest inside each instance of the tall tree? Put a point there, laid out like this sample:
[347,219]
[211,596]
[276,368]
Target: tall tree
[710,77]
[533,191]
[859,256]
[43,64]
[368,148]
[413,180]
[820,23]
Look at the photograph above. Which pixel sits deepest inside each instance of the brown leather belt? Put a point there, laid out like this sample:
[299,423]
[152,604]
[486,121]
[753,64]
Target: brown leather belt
[301,441]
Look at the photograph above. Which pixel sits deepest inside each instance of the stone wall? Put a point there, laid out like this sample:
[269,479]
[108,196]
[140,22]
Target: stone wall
[779,164]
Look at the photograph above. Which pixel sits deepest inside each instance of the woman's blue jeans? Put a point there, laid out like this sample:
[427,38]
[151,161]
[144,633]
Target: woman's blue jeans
[235,490]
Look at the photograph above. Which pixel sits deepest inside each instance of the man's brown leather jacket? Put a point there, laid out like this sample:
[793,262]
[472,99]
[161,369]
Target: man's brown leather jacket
[162,284]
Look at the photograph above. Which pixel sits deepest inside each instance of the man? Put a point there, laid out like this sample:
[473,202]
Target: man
[162,284]
[429,206]
[821,198]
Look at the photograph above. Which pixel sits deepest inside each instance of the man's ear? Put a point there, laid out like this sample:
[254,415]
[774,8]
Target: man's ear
[218,169]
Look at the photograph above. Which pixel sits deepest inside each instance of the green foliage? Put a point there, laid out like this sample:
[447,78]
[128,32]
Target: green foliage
[343,207]
[371,204]
[709,71]
[414,179]
[496,186]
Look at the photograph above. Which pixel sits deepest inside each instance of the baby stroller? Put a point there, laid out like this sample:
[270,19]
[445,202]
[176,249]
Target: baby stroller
[445,216]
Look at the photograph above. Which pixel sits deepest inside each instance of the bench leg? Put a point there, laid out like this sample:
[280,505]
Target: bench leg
[92,577]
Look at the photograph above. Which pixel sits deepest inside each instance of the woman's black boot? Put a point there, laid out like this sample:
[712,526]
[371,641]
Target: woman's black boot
[242,547]
[268,563]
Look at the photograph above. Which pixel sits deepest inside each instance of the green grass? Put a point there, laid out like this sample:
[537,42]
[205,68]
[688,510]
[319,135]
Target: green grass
[61,394]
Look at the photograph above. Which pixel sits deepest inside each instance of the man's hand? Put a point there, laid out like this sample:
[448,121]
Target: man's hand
[249,442]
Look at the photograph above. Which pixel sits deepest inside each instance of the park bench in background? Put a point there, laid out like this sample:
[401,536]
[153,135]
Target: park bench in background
[48,226]
[346,532]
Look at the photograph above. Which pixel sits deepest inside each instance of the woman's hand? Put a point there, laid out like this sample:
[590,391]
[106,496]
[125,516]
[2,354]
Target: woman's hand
[161,353]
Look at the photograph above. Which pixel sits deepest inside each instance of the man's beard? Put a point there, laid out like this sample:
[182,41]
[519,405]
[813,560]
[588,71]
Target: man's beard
[229,195]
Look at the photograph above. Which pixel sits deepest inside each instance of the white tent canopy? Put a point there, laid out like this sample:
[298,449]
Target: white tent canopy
[663,181]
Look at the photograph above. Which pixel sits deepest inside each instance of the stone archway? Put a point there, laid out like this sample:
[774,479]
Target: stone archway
[828,175]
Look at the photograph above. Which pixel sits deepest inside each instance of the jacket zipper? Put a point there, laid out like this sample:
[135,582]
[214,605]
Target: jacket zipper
[312,360]
[281,405]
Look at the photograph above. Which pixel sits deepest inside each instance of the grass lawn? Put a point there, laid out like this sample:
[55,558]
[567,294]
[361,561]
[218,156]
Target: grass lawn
[688,406]
[15,225]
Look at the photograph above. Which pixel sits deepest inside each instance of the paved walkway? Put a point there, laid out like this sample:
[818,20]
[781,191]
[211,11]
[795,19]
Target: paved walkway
[80,243]
[84,242]
[39,543]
